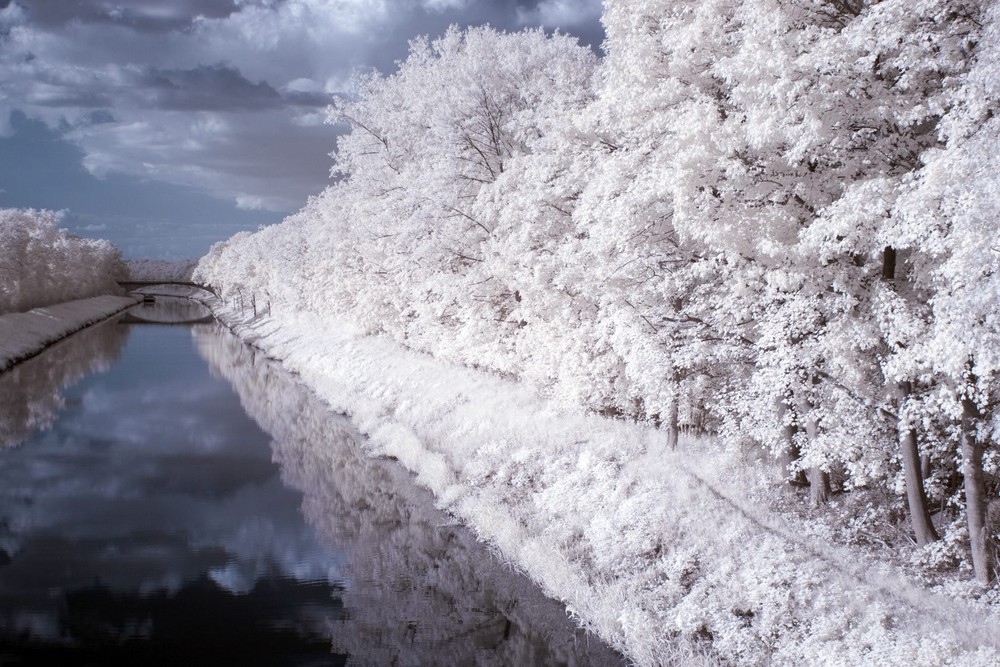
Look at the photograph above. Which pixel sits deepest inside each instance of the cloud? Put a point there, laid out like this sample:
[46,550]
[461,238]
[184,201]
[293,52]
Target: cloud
[140,15]
[208,87]
[444,5]
[223,153]
[563,14]
[225,96]
[249,202]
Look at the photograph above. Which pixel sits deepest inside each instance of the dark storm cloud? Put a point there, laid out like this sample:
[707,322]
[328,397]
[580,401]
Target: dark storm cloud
[69,98]
[140,15]
[204,88]
[219,87]
[208,88]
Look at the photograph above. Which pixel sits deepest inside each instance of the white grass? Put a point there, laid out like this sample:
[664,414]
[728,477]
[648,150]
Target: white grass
[652,549]
[23,335]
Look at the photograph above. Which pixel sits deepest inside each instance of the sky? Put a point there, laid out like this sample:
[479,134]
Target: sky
[168,125]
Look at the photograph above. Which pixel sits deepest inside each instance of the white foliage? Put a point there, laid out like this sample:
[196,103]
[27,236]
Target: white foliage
[691,232]
[41,264]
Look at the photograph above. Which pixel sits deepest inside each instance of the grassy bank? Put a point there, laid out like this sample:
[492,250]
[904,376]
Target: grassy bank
[665,556]
[23,335]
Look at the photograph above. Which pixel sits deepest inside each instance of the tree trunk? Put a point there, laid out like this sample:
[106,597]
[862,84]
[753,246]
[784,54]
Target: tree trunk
[889,263]
[916,496]
[790,453]
[975,493]
[672,428]
[920,516]
[925,467]
[819,486]
[819,480]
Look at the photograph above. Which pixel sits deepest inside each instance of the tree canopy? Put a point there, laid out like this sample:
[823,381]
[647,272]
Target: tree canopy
[773,221]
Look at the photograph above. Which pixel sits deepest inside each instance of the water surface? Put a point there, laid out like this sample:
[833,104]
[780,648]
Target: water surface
[166,493]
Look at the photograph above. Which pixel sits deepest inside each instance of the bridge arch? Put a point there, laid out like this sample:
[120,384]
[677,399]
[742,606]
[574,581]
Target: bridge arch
[132,285]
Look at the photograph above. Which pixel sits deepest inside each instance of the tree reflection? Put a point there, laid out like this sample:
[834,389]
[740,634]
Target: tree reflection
[418,588]
[31,392]
[200,624]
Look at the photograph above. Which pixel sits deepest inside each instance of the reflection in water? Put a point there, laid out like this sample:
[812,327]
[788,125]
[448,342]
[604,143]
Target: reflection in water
[31,392]
[418,590]
[168,310]
[148,524]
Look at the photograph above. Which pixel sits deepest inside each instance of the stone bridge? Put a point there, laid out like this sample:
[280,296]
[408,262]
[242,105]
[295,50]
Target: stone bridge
[132,285]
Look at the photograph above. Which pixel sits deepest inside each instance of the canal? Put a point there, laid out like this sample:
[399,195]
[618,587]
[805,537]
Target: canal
[170,496]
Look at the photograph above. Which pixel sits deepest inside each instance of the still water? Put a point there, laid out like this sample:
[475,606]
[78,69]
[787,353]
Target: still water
[170,496]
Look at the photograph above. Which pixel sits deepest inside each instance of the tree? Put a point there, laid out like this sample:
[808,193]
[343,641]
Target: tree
[41,264]
[780,209]
[428,145]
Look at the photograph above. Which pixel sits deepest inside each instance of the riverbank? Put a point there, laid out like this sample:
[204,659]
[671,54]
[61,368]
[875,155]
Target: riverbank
[23,335]
[664,554]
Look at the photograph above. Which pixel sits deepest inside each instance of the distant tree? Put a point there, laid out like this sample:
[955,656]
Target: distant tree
[41,264]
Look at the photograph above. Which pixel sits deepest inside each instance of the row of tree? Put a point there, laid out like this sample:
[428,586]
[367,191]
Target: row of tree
[42,264]
[774,220]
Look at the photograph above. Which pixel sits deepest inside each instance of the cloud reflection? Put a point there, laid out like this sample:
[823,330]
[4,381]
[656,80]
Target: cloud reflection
[31,393]
[150,484]
[151,514]
[418,588]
